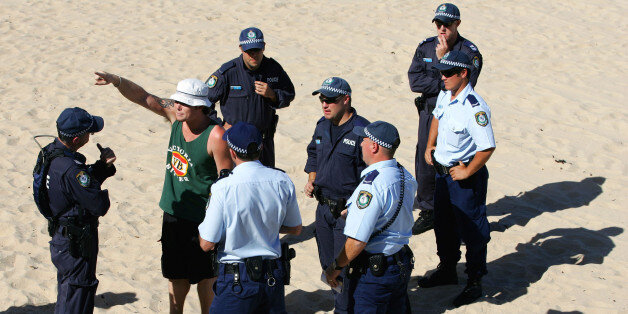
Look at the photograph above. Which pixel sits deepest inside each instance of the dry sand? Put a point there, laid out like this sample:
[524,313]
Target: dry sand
[554,75]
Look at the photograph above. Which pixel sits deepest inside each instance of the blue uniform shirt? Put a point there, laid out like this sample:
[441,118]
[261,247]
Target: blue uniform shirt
[234,86]
[247,209]
[464,126]
[426,80]
[73,184]
[374,203]
[337,164]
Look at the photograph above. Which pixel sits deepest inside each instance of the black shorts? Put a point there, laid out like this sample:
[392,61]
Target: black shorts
[182,257]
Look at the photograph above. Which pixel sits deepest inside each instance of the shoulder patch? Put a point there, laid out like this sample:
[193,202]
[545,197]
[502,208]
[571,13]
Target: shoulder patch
[83,179]
[471,46]
[211,81]
[427,40]
[364,199]
[472,100]
[481,118]
[476,62]
[226,66]
[368,179]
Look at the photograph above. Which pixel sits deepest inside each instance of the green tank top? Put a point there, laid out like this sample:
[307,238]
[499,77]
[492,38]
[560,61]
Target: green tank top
[190,173]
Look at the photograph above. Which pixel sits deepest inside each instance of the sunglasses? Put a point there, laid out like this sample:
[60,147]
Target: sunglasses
[439,24]
[329,100]
[450,72]
[253,51]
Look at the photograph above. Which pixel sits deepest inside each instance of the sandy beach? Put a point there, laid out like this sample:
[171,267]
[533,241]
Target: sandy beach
[553,76]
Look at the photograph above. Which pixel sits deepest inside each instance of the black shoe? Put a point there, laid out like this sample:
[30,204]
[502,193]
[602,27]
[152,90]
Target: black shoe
[442,276]
[424,223]
[471,292]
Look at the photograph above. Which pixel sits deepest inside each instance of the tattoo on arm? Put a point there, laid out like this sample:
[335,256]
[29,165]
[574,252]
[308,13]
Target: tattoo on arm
[165,103]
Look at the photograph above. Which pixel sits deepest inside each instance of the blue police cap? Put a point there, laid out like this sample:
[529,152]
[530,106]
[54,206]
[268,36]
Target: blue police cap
[251,38]
[334,87]
[241,135]
[446,13]
[380,132]
[453,59]
[73,122]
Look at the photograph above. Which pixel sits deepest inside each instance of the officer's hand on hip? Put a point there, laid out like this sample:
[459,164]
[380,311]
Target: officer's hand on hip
[441,48]
[428,155]
[459,172]
[309,189]
[263,90]
[331,275]
[106,155]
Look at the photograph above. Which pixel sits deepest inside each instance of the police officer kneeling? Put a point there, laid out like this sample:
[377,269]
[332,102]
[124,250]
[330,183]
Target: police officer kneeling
[246,212]
[379,224]
[76,202]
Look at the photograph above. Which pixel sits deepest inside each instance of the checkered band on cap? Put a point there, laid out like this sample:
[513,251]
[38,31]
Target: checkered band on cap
[456,17]
[335,90]
[376,140]
[456,64]
[251,41]
[238,149]
[78,133]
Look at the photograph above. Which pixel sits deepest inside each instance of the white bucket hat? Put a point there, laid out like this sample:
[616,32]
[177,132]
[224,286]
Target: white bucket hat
[192,92]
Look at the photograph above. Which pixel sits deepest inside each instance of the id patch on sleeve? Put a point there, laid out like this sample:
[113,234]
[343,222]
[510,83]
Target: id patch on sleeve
[364,199]
[211,81]
[481,118]
[83,179]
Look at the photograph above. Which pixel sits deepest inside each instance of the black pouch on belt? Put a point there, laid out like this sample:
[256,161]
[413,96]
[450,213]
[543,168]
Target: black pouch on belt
[255,268]
[377,264]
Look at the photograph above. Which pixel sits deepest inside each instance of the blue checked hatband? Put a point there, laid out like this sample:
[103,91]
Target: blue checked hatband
[376,140]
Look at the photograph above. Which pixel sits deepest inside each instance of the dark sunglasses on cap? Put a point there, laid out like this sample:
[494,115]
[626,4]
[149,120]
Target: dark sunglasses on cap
[451,72]
[329,100]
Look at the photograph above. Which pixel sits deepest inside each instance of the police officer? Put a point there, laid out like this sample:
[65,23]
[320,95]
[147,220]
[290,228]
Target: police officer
[76,202]
[461,141]
[250,88]
[426,80]
[334,165]
[246,212]
[378,227]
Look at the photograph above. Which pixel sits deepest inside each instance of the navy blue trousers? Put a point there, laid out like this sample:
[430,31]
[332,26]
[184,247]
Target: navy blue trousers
[267,155]
[330,239]
[76,277]
[460,214]
[249,296]
[385,294]
[424,173]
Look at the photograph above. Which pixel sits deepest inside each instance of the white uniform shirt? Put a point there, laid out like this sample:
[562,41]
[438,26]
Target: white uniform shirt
[464,126]
[247,209]
[374,203]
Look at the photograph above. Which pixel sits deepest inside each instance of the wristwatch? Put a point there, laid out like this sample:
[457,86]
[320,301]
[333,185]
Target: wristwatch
[335,265]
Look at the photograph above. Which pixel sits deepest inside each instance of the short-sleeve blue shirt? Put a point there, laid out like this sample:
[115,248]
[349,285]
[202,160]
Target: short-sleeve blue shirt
[373,204]
[464,126]
[246,210]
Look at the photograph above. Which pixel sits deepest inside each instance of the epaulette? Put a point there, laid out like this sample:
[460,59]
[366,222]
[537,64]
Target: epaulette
[277,169]
[368,179]
[360,122]
[471,46]
[427,40]
[320,120]
[227,66]
[472,100]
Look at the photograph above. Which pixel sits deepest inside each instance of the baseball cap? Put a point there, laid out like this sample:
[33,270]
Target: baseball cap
[241,135]
[73,122]
[192,92]
[334,87]
[453,59]
[380,132]
[251,38]
[446,13]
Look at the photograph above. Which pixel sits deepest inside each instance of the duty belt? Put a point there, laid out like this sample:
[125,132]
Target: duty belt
[444,170]
[336,206]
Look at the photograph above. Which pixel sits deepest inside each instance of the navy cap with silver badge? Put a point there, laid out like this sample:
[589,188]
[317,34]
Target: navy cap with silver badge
[453,59]
[251,38]
[241,135]
[334,87]
[73,122]
[380,132]
[446,13]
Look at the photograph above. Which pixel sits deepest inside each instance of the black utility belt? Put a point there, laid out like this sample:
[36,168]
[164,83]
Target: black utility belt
[336,206]
[444,170]
[256,267]
[378,263]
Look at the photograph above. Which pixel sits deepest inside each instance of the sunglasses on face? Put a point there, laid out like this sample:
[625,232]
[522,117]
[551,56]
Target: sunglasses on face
[450,73]
[439,24]
[253,51]
[329,100]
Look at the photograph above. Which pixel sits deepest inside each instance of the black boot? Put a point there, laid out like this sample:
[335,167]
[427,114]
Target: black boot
[444,275]
[471,292]
[424,223]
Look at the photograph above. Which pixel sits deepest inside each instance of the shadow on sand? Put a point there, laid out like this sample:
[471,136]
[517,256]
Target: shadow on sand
[103,301]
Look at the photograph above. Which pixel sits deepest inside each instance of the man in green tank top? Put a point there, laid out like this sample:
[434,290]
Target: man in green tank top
[196,152]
